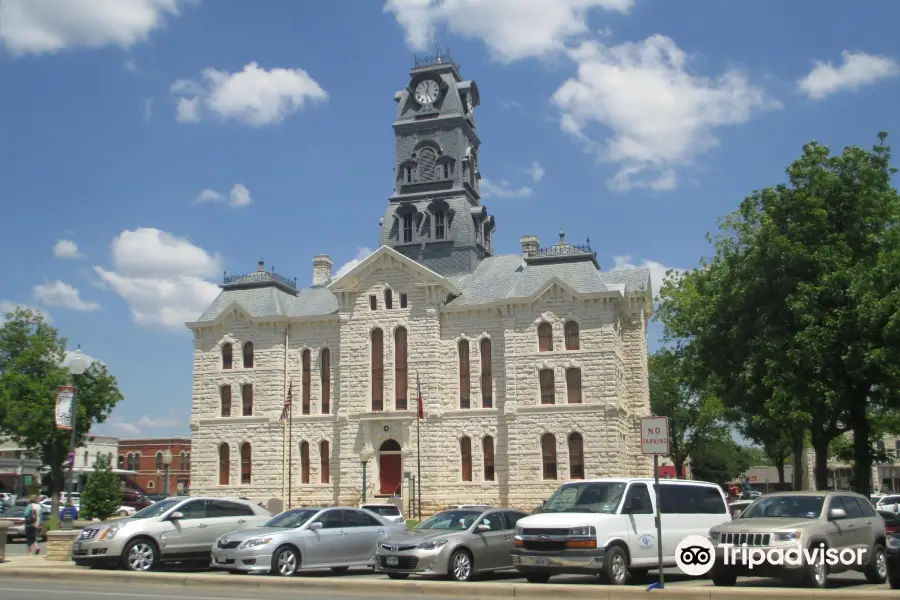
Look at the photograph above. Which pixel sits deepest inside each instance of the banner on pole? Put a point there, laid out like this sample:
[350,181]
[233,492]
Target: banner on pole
[65,397]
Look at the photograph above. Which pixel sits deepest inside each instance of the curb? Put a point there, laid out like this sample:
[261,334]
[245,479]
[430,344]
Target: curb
[440,589]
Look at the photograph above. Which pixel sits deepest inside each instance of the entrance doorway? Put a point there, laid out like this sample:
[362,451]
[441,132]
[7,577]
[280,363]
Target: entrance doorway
[390,468]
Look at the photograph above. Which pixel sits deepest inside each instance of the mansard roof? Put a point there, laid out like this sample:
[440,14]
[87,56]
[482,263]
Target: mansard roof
[498,279]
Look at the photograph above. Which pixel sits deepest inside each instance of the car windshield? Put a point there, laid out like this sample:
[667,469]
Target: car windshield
[455,520]
[155,510]
[597,497]
[384,510]
[291,519]
[791,507]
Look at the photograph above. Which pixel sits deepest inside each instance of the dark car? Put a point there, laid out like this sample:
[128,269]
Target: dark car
[135,499]
[892,558]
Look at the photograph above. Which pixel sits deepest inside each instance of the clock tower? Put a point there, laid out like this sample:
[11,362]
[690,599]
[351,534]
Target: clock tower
[435,215]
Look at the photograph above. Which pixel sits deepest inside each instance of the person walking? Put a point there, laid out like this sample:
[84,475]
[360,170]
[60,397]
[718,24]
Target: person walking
[32,524]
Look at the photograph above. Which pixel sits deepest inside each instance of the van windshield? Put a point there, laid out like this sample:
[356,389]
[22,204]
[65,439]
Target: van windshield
[597,497]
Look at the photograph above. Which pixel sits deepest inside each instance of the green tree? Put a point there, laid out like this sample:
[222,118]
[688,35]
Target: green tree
[101,497]
[720,460]
[31,371]
[693,415]
[776,443]
[791,321]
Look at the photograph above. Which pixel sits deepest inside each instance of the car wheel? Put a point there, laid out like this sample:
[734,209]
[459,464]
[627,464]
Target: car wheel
[398,575]
[285,562]
[123,513]
[139,555]
[876,570]
[817,575]
[339,570]
[537,577]
[723,577]
[615,565]
[461,568]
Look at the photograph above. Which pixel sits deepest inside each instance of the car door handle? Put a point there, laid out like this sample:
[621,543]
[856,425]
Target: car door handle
[242,521]
[849,525]
[381,531]
[343,534]
[202,526]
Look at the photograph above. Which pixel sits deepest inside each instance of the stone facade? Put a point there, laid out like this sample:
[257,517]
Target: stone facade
[441,289]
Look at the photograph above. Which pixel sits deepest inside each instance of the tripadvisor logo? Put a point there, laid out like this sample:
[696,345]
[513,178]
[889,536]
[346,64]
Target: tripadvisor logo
[695,556]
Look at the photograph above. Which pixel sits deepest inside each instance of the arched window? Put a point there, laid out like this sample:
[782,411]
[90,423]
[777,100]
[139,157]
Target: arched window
[246,463]
[487,380]
[159,460]
[464,378]
[440,222]
[325,372]
[248,355]
[427,158]
[305,358]
[573,385]
[225,398]
[576,456]
[226,356]
[224,465]
[465,451]
[487,449]
[407,228]
[182,462]
[377,370]
[247,399]
[121,463]
[325,457]
[572,341]
[388,299]
[304,462]
[545,337]
[548,455]
[188,461]
[401,382]
[548,391]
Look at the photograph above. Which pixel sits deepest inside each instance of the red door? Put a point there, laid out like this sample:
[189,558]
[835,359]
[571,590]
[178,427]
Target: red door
[390,468]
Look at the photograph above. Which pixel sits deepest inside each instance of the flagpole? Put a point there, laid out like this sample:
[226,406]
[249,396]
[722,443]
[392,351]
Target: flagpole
[283,424]
[419,444]
[290,448]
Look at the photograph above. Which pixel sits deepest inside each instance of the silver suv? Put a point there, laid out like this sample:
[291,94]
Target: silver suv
[831,521]
[180,529]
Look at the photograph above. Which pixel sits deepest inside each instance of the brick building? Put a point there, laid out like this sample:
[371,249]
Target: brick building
[533,366]
[145,457]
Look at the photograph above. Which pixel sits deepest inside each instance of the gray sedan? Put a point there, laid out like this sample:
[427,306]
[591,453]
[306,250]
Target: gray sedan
[456,543]
[305,538]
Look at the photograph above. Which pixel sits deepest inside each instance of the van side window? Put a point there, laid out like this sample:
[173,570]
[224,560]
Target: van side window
[708,500]
[637,501]
[690,499]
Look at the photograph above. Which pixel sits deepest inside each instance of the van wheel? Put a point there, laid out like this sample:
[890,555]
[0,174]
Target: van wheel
[537,577]
[723,577]
[876,570]
[615,565]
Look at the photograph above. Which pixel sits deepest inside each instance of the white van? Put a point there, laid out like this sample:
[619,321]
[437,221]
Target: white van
[607,527]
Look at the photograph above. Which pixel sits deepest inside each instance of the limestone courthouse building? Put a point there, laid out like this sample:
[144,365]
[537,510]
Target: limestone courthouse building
[532,366]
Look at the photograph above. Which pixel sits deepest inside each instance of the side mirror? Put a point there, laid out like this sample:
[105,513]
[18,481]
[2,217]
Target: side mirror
[482,527]
[836,514]
[176,516]
[315,526]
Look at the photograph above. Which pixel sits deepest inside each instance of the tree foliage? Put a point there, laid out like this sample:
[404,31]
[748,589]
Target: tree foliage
[31,371]
[794,321]
[101,497]
[720,460]
[693,415]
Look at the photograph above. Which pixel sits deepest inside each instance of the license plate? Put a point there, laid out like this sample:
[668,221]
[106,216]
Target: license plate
[393,561]
[542,562]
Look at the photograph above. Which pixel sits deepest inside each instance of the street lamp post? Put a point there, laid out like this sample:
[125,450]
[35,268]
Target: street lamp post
[365,456]
[77,366]
[167,460]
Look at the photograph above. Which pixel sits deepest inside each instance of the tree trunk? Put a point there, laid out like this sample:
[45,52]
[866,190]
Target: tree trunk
[797,453]
[779,466]
[862,452]
[820,445]
[679,466]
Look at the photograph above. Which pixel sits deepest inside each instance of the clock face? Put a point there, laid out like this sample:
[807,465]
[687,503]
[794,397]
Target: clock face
[427,92]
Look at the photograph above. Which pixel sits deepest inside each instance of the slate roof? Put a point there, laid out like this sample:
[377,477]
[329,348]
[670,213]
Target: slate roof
[496,278]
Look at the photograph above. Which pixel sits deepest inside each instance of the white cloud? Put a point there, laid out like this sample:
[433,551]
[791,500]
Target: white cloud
[361,255]
[163,278]
[7,306]
[657,271]
[140,427]
[46,26]
[537,171]
[503,190]
[62,295]
[66,249]
[239,196]
[512,29]
[253,96]
[148,422]
[660,116]
[857,70]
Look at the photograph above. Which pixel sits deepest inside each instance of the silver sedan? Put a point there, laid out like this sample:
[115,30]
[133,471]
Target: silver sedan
[305,538]
[457,543]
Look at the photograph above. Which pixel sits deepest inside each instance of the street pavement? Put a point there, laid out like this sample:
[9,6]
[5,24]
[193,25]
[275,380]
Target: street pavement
[18,548]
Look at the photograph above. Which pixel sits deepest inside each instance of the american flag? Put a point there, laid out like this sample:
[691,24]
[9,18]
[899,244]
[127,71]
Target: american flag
[419,392]
[286,411]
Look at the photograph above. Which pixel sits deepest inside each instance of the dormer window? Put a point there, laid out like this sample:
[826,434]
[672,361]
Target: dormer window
[440,225]
[407,228]
[446,170]
[407,174]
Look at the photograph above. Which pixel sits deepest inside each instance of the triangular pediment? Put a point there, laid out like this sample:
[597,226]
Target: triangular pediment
[387,257]
[234,312]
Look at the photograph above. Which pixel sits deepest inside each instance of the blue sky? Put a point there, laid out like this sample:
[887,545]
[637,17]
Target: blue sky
[636,123]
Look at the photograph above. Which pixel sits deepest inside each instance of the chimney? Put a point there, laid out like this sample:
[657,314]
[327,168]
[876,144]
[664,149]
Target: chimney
[530,245]
[260,266]
[321,269]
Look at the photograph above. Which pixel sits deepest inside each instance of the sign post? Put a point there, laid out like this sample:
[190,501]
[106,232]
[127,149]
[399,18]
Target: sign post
[655,441]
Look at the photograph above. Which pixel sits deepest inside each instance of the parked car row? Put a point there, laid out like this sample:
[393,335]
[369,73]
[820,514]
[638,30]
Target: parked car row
[16,516]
